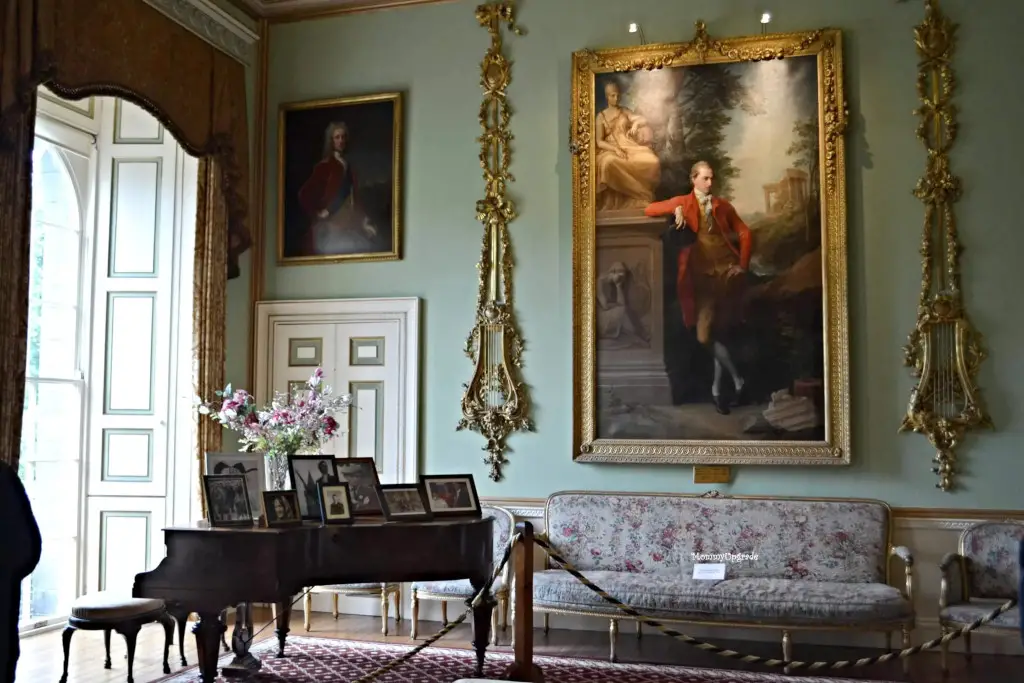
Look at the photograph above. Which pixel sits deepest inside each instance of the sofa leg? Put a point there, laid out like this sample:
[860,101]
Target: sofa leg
[398,603]
[787,650]
[639,630]
[906,644]
[384,612]
[613,634]
[444,612]
[504,605]
[547,623]
[967,646]
[415,616]
[494,627]
[944,653]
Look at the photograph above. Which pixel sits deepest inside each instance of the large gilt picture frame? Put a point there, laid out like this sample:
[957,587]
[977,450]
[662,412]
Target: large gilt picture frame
[339,180]
[709,252]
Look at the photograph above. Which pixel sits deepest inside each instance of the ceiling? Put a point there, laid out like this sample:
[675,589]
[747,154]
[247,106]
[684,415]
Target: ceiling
[290,10]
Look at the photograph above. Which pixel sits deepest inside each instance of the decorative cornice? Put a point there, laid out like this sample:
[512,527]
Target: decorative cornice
[212,24]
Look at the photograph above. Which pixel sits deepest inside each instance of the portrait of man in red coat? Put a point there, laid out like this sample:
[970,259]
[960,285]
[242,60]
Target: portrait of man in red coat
[711,272]
[329,198]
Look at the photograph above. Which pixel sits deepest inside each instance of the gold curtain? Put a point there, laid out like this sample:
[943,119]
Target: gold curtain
[127,49]
[209,298]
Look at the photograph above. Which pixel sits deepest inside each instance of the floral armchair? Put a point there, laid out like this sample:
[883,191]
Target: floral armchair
[980,576]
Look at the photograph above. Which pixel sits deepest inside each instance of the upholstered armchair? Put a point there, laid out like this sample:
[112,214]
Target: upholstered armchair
[980,576]
[461,590]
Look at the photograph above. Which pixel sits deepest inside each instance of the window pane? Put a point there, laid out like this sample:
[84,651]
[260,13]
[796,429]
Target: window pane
[49,468]
[55,261]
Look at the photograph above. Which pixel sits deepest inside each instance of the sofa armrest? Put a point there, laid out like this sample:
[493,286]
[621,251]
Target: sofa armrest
[904,554]
[952,588]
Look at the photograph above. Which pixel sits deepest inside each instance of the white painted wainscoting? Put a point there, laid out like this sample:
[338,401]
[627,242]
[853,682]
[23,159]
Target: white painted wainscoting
[929,535]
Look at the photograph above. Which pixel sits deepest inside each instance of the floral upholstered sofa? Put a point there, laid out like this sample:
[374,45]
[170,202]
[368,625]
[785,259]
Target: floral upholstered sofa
[980,576]
[796,563]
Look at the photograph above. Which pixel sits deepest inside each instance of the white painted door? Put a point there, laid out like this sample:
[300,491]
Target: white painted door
[366,347]
[144,176]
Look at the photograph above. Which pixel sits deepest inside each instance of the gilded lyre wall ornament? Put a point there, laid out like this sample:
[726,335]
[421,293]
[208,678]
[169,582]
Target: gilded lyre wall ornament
[944,350]
[495,403]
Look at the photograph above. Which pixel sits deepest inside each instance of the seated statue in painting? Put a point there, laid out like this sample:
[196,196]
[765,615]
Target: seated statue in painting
[628,170]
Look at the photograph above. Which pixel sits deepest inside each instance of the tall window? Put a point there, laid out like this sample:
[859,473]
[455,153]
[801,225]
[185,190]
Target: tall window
[52,432]
[106,452]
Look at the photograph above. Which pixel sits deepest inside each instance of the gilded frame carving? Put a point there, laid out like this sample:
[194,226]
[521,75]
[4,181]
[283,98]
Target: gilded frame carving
[826,46]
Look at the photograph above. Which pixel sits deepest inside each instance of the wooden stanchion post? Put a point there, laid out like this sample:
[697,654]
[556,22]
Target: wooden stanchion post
[523,668]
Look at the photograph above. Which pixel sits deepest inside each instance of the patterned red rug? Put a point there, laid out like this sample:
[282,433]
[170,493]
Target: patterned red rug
[329,660]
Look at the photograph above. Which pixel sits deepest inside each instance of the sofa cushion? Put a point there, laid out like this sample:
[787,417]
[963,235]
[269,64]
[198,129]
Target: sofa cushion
[671,596]
[815,540]
[966,612]
[458,588]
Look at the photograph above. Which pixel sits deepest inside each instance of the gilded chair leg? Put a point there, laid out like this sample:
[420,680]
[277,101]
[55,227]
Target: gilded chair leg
[307,611]
[384,612]
[334,606]
[415,616]
[944,652]
[444,612]
[503,608]
[613,635]
[967,646]
[494,627]
[398,603]
[547,622]
[906,644]
[787,649]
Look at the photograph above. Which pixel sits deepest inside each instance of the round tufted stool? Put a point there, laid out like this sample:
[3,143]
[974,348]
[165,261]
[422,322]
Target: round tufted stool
[110,611]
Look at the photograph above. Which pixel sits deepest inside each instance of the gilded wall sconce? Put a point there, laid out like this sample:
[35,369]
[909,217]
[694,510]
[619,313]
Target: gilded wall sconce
[494,402]
[944,350]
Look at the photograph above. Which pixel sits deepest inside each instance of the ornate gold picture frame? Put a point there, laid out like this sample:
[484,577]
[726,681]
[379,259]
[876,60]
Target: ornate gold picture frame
[709,252]
[339,180]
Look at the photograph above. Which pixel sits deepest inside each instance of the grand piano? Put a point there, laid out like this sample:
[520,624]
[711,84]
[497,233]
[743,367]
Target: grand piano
[207,570]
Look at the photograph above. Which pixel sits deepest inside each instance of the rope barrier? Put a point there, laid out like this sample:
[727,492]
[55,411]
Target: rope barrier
[766,661]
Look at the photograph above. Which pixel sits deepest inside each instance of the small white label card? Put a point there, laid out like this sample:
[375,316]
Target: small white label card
[709,572]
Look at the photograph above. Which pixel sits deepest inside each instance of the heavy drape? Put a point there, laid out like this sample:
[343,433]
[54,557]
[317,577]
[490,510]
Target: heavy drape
[122,48]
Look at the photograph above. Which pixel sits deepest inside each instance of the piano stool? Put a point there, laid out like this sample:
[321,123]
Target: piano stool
[109,611]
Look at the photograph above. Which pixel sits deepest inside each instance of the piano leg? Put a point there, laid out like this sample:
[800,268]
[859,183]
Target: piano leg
[481,624]
[208,631]
[244,662]
[284,613]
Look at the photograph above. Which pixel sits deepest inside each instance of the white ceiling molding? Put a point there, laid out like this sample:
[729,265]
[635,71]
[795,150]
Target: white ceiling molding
[212,24]
[295,10]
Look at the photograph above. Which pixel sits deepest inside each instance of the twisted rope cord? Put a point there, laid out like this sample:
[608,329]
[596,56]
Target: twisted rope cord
[753,659]
[471,603]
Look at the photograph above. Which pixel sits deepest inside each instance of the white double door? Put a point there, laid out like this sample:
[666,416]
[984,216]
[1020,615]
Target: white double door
[367,348]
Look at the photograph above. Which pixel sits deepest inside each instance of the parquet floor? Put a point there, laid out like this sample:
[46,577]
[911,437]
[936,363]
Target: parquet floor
[41,657]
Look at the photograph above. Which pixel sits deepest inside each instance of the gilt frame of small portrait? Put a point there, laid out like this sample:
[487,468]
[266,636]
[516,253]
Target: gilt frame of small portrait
[339,182]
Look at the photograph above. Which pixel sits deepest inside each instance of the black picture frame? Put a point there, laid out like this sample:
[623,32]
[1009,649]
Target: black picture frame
[275,520]
[363,481]
[299,466]
[392,511]
[227,500]
[328,514]
[451,495]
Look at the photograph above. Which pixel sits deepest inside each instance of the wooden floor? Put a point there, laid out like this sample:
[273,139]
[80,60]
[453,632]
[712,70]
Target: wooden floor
[41,656]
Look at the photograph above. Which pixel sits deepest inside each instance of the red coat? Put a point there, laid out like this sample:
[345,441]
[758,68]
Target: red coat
[330,184]
[725,218]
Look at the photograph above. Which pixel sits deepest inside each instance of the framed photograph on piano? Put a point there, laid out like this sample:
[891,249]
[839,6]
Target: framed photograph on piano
[281,508]
[451,495]
[404,502]
[335,504]
[227,500]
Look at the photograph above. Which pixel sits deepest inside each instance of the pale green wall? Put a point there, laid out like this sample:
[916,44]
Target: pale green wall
[432,53]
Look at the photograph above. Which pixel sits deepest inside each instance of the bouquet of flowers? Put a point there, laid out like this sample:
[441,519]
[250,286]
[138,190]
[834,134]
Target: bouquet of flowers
[288,425]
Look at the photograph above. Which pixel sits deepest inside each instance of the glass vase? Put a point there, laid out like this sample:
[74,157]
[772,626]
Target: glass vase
[277,471]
